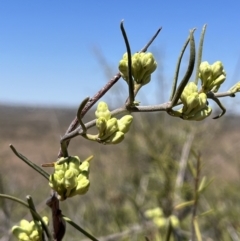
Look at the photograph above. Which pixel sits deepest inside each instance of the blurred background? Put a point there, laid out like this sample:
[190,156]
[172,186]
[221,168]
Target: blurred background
[55,53]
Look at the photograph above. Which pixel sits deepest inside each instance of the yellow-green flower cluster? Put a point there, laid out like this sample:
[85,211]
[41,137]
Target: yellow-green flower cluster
[70,177]
[110,129]
[194,104]
[29,231]
[212,76]
[157,216]
[143,65]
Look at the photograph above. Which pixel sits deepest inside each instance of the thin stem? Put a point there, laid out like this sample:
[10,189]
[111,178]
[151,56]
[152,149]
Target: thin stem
[189,71]
[200,50]
[48,233]
[130,79]
[79,228]
[32,207]
[196,197]
[28,162]
[79,112]
[122,110]
[169,230]
[33,212]
[144,49]
[212,96]
[174,86]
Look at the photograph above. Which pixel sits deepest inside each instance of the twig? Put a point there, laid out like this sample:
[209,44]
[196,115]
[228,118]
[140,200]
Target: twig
[130,79]
[200,50]
[188,73]
[144,49]
[196,197]
[183,161]
[177,69]
[212,96]
[29,163]
[90,236]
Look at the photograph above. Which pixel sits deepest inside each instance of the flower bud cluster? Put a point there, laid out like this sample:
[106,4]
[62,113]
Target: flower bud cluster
[70,177]
[235,88]
[143,65]
[157,216]
[195,105]
[111,130]
[212,76]
[29,231]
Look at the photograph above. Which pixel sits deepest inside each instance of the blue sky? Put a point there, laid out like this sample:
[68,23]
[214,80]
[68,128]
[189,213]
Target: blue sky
[50,51]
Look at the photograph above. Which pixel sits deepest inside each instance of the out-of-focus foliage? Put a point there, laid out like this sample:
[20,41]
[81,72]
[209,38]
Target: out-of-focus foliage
[138,175]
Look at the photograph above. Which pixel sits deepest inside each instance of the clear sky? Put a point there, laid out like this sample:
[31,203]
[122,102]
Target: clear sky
[51,50]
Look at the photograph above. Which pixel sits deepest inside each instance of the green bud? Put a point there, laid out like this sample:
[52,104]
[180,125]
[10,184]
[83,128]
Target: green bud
[235,88]
[124,123]
[212,76]
[34,236]
[205,72]
[218,82]
[217,69]
[23,237]
[103,111]
[194,104]
[115,138]
[160,222]
[174,221]
[189,89]
[29,231]
[191,102]
[123,68]
[85,166]
[82,186]
[101,125]
[112,126]
[68,183]
[143,65]
[152,213]
[200,115]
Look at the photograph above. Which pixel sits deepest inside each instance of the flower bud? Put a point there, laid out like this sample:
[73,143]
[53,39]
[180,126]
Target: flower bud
[112,126]
[67,179]
[200,115]
[212,76]
[103,111]
[115,138]
[174,221]
[194,104]
[143,65]
[160,222]
[217,69]
[189,89]
[29,231]
[205,72]
[191,102]
[235,88]
[124,123]
[101,125]
[155,212]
